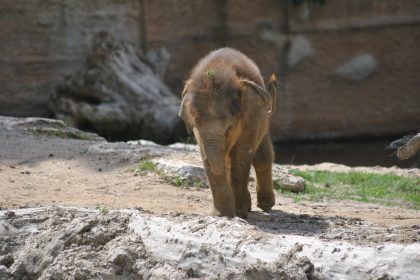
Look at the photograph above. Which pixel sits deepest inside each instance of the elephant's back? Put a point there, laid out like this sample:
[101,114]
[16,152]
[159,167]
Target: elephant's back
[227,63]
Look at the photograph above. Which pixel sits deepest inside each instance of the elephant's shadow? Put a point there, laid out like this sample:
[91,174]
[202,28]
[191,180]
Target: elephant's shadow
[280,222]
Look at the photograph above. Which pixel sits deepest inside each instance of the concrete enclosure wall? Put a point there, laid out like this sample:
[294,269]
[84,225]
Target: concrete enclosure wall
[42,41]
[350,68]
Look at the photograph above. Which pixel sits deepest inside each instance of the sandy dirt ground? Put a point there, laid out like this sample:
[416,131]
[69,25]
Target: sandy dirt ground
[41,170]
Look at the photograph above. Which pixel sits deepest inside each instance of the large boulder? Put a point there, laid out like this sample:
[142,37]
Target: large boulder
[119,94]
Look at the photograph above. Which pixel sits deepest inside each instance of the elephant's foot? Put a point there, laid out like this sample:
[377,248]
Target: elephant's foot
[266,200]
[243,207]
[226,212]
[242,212]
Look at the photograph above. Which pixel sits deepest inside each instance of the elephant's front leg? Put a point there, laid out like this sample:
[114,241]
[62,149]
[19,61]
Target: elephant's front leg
[223,201]
[239,174]
[262,162]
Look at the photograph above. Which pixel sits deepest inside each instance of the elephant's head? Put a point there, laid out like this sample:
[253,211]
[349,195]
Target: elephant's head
[214,113]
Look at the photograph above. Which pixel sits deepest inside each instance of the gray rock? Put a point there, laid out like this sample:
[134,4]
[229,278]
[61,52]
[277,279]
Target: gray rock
[6,260]
[277,38]
[304,12]
[188,174]
[132,244]
[47,127]
[288,181]
[119,94]
[300,50]
[292,183]
[12,122]
[131,152]
[182,146]
[357,69]
[159,60]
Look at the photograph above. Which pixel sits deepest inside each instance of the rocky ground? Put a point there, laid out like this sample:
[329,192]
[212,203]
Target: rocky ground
[77,207]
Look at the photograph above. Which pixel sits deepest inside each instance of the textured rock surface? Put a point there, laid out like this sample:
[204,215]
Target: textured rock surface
[76,243]
[118,95]
[48,127]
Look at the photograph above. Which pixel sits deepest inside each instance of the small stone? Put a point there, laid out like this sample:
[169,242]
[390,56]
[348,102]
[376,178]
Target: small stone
[292,183]
[187,174]
[10,214]
[7,260]
[336,250]
[300,50]
[120,258]
[190,273]
[357,69]
[277,38]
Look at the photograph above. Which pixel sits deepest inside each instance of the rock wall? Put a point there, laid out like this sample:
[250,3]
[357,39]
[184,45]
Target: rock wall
[316,102]
[44,40]
[347,69]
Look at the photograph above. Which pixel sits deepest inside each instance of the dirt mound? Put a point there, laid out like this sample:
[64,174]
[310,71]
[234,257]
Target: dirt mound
[61,243]
[71,243]
[57,244]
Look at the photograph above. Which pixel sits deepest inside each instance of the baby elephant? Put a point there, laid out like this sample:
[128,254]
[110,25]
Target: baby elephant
[227,106]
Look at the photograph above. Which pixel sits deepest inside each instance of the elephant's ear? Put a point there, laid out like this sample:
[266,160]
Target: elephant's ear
[182,109]
[272,85]
[268,98]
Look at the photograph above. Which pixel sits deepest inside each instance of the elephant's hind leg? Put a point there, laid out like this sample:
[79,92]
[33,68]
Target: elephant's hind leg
[262,162]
